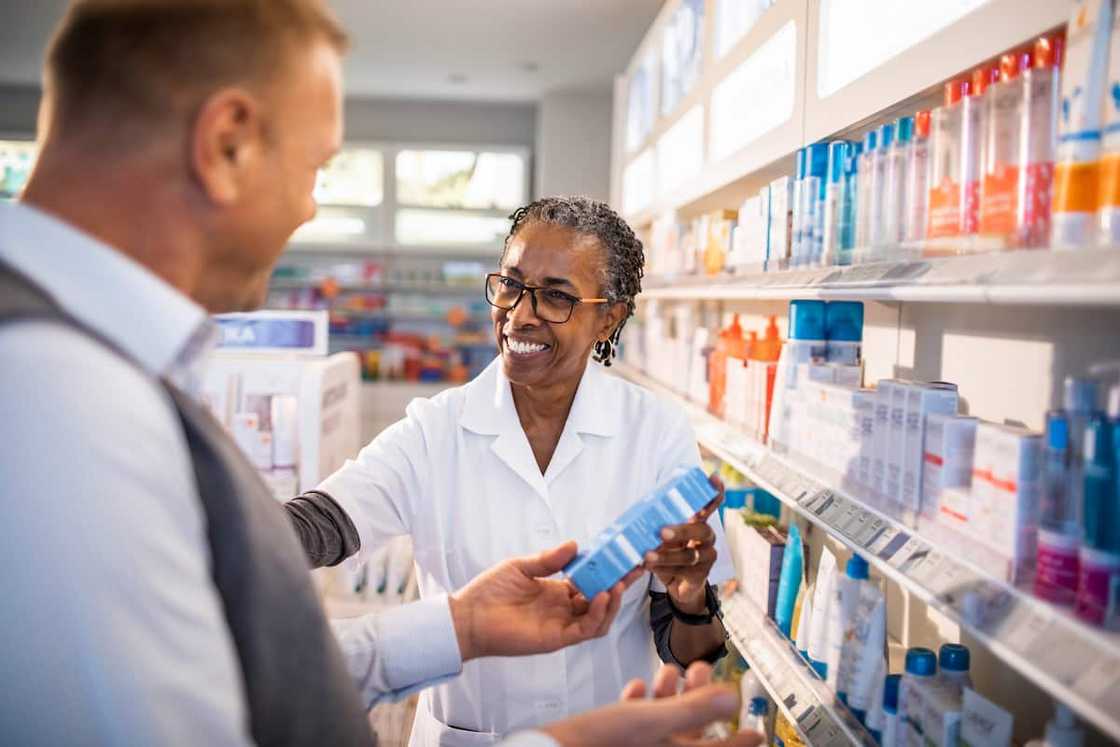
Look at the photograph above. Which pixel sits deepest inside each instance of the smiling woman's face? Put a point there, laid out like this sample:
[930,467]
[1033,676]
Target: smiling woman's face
[543,354]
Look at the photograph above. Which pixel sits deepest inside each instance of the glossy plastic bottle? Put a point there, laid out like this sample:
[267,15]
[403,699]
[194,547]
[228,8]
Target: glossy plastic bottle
[917,181]
[895,207]
[865,173]
[1005,102]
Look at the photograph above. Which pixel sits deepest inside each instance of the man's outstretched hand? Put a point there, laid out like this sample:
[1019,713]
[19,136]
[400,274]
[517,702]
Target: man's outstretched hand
[515,609]
[668,720]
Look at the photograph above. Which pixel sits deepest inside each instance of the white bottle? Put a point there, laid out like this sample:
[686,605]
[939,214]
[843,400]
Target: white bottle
[1061,731]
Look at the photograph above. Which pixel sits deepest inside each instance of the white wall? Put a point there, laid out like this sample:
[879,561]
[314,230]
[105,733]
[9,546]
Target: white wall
[574,145]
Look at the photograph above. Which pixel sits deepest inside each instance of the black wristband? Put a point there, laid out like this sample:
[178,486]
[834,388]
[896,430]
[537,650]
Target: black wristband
[711,601]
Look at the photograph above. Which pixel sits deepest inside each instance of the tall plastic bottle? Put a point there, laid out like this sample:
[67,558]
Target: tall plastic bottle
[1079,400]
[813,195]
[1109,200]
[798,215]
[1040,125]
[917,181]
[973,121]
[834,203]
[1059,532]
[1004,108]
[1077,167]
[849,219]
[921,669]
[878,223]
[953,662]
[895,207]
[1098,587]
[891,730]
[945,178]
[865,171]
[1061,731]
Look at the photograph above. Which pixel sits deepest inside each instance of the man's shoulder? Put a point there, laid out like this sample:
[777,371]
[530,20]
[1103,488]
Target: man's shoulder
[57,364]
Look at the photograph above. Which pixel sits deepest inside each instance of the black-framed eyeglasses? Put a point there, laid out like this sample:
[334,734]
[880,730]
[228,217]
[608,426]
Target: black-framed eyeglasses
[549,304]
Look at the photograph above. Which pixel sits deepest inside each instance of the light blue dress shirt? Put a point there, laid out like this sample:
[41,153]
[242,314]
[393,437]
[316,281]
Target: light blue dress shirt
[111,629]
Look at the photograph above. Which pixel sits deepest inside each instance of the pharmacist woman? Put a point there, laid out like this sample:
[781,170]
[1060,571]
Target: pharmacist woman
[543,446]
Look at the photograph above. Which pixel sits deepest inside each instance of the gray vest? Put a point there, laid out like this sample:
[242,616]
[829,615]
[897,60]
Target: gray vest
[296,684]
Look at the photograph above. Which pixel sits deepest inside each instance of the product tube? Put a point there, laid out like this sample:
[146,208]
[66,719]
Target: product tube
[823,617]
[1110,143]
[797,233]
[813,197]
[804,620]
[864,638]
[790,580]
[1077,170]
[876,719]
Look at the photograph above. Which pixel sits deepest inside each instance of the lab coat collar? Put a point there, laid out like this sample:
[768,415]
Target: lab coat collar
[489,410]
[489,407]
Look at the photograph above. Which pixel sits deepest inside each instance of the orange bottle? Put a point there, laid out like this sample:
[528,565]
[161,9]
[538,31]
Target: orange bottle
[735,371]
[729,339]
[766,353]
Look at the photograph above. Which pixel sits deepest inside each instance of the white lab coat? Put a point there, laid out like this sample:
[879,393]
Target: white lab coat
[457,473]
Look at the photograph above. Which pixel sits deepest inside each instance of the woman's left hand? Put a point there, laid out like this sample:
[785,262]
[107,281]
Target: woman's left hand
[686,557]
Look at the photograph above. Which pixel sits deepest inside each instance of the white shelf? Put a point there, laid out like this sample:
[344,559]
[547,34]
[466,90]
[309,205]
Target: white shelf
[434,289]
[1034,277]
[1076,664]
[803,697]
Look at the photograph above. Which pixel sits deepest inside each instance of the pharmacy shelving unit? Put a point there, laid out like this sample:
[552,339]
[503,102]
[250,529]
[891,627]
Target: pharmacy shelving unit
[793,685]
[1075,663]
[1089,278]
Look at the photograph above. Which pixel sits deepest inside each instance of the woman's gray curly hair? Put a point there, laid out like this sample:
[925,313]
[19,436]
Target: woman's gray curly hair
[624,261]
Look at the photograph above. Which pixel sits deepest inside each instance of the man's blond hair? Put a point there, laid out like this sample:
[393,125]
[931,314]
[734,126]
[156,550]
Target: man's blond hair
[137,66]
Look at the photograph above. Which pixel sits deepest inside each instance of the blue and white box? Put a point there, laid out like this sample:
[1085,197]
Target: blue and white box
[622,546]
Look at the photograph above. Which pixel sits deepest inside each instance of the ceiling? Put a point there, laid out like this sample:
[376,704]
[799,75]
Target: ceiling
[487,50]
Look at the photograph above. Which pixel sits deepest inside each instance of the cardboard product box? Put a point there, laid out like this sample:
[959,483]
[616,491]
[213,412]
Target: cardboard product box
[762,552]
[922,401]
[1006,490]
[780,219]
[884,396]
[864,402]
[896,448]
[947,456]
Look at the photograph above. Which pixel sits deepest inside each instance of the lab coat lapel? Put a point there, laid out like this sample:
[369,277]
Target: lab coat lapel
[591,414]
[489,410]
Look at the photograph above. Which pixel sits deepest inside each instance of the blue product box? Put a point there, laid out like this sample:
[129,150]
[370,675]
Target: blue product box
[622,546]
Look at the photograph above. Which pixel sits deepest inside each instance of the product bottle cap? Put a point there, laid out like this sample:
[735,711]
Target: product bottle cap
[734,329]
[886,135]
[1010,65]
[772,328]
[921,124]
[806,320]
[890,693]
[844,321]
[905,130]
[956,90]
[921,662]
[1098,441]
[870,139]
[758,707]
[816,160]
[837,160]
[857,568]
[982,77]
[954,657]
[1079,395]
[1048,51]
[1057,430]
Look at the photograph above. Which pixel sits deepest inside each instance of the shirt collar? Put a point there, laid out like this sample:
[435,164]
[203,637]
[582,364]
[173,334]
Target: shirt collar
[489,407]
[162,329]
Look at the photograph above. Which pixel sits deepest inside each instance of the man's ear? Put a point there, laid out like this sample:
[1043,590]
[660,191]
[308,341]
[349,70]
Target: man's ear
[226,142]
